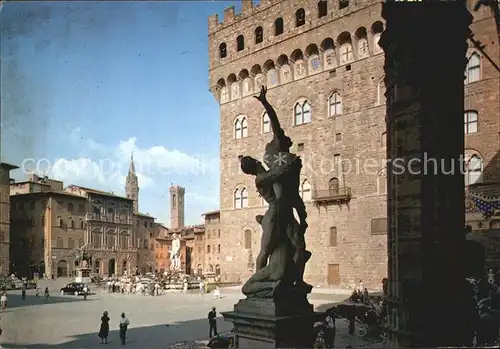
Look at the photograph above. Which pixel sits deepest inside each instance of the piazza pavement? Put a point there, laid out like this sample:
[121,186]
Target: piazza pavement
[155,322]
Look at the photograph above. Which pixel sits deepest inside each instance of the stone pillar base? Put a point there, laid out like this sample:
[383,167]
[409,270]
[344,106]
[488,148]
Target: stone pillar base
[257,325]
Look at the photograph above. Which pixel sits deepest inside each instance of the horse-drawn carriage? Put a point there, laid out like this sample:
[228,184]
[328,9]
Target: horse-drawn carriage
[365,319]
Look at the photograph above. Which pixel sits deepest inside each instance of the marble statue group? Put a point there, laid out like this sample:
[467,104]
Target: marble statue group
[283,255]
[175,254]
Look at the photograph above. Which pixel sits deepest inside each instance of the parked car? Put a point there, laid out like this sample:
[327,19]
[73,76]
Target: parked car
[75,288]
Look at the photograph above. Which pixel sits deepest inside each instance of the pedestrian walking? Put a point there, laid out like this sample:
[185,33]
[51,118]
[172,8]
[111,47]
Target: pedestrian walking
[212,321]
[85,292]
[46,294]
[104,329]
[3,300]
[124,322]
[202,287]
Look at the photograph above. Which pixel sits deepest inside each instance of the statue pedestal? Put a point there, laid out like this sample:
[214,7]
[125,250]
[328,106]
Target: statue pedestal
[268,323]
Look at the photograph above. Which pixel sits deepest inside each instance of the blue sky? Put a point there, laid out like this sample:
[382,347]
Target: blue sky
[86,83]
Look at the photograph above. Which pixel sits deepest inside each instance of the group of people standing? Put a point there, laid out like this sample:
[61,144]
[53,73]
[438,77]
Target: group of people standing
[104,329]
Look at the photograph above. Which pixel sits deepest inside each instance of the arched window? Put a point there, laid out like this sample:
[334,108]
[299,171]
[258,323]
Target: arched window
[241,127]
[222,50]
[335,104]
[71,223]
[382,183]
[59,243]
[240,198]
[322,8]
[248,239]
[71,243]
[302,113]
[80,242]
[240,43]
[473,72]
[217,270]
[278,26]
[218,248]
[237,198]
[305,190]
[334,186]
[211,268]
[244,197]
[259,35]
[470,122]
[474,170]
[208,248]
[300,17]
[82,225]
[266,123]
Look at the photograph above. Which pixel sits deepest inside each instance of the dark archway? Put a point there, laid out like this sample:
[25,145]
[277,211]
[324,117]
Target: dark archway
[97,266]
[41,269]
[112,267]
[124,267]
[217,270]
[62,268]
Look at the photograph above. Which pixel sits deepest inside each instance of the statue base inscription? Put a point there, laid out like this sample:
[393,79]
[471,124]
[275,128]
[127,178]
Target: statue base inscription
[253,330]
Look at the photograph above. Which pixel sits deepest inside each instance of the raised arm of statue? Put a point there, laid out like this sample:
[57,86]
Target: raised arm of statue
[273,117]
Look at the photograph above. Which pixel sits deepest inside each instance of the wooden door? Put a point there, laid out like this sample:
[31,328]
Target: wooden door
[333,275]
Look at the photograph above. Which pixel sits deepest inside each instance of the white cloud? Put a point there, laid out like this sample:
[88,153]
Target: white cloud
[105,167]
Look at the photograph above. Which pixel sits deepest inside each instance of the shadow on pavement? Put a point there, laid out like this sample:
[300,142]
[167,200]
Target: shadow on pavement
[15,301]
[154,337]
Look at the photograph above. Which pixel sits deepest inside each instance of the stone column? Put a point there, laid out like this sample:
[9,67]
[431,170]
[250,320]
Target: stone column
[425,47]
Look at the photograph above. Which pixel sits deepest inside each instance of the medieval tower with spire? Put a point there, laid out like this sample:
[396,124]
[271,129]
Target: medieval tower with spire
[132,185]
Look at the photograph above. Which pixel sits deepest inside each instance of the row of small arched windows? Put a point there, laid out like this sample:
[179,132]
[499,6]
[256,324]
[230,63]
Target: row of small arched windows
[473,175]
[301,115]
[215,249]
[300,20]
[301,64]
[241,195]
[71,223]
[71,243]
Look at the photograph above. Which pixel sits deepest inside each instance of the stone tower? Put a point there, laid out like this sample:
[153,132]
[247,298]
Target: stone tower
[132,185]
[176,207]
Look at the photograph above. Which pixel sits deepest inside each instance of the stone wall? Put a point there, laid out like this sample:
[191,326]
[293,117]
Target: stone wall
[287,63]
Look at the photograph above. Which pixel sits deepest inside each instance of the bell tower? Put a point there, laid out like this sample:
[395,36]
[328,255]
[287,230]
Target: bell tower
[132,185]
[176,207]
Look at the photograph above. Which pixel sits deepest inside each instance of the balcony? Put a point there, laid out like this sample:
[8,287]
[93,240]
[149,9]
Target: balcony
[108,218]
[338,195]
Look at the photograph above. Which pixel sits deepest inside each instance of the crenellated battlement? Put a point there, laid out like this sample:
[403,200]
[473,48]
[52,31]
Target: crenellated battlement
[230,15]
[177,189]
